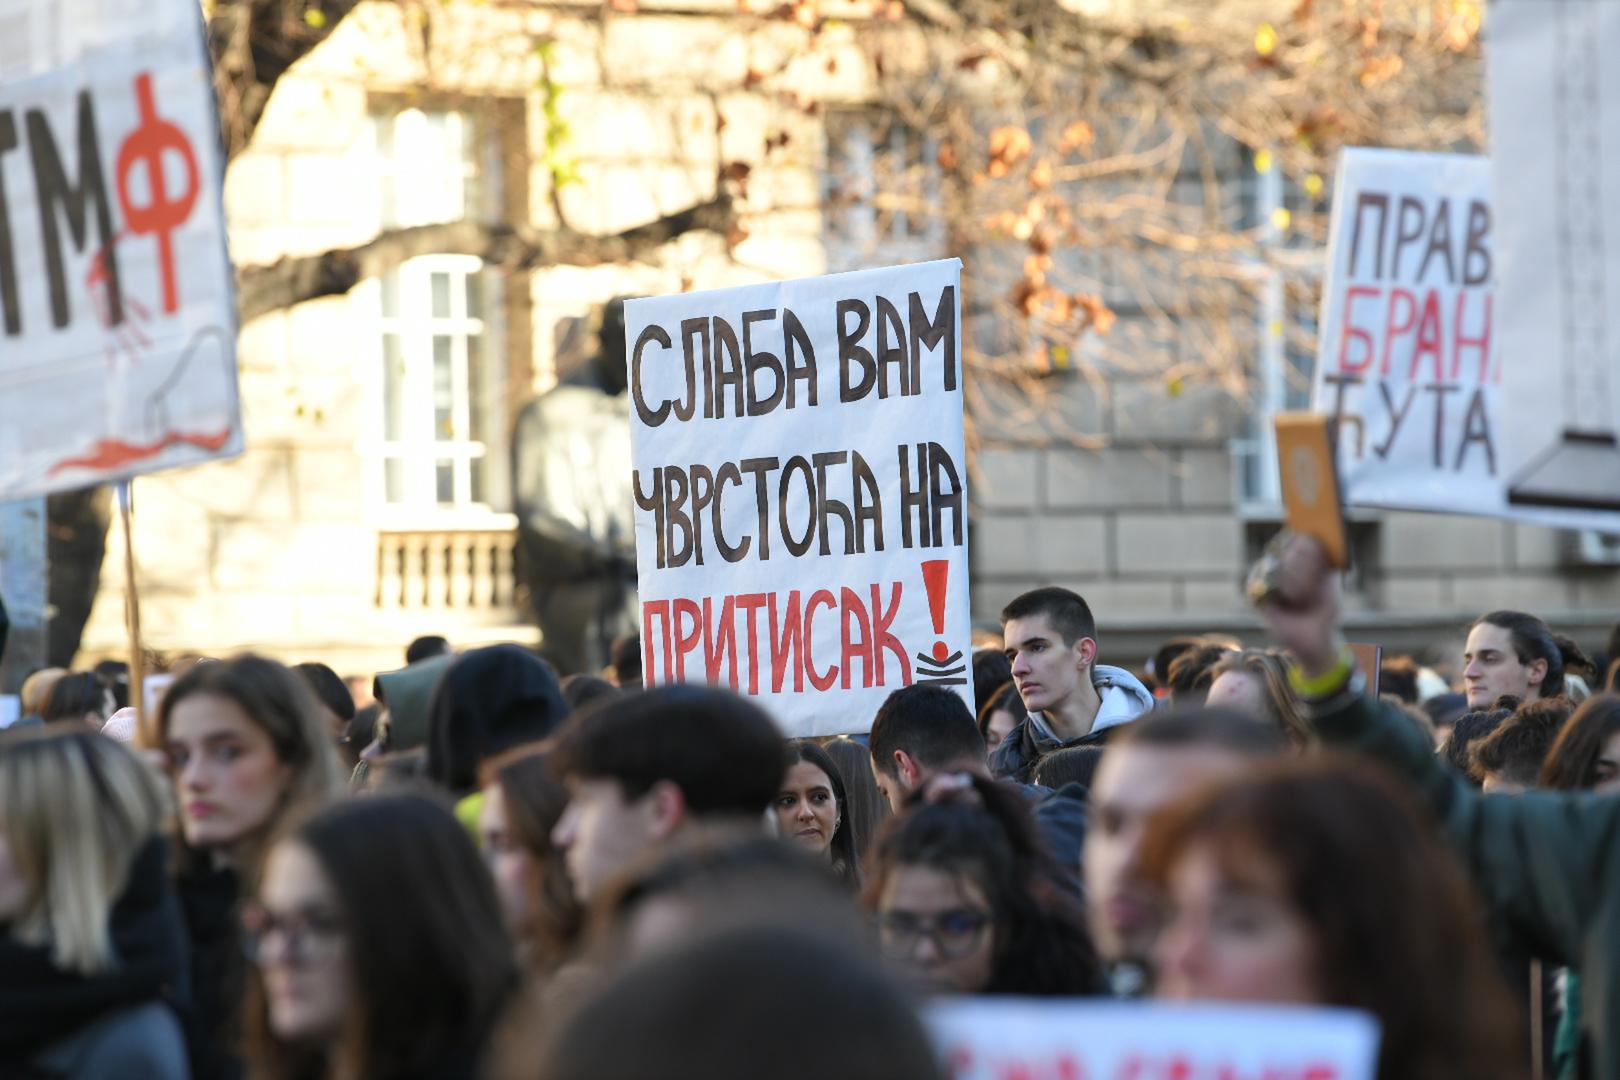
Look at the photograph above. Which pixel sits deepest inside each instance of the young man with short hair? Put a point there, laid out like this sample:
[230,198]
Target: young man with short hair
[642,769]
[1051,641]
[921,731]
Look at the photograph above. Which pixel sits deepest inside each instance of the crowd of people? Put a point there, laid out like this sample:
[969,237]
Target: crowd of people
[492,871]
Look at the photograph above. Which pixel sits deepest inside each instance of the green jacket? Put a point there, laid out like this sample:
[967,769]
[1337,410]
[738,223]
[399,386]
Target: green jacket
[1546,863]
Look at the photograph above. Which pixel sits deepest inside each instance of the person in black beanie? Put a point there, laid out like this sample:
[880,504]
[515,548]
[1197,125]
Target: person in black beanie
[489,701]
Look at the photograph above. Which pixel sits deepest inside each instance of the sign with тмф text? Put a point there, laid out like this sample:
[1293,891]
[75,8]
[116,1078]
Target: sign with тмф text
[117,314]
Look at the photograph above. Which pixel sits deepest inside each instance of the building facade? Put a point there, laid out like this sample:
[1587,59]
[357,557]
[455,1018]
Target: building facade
[373,503]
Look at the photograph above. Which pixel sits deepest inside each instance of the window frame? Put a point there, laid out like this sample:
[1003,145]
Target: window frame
[1284,258]
[858,231]
[419,446]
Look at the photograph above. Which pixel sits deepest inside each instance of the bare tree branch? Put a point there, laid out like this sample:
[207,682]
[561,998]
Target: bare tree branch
[289,281]
[253,43]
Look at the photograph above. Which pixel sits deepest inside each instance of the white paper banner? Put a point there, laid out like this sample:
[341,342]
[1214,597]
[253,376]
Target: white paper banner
[117,314]
[1407,357]
[1555,147]
[801,490]
[1039,1039]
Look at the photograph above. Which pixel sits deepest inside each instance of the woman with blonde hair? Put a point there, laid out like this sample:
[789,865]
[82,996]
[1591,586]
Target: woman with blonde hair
[35,689]
[246,747]
[92,947]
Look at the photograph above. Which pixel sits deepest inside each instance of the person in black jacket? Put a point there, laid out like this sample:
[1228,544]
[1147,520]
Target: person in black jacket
[489,701]
[92,949]
[245,747]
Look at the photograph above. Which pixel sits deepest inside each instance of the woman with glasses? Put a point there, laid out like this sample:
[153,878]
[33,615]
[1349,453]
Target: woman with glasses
[92,949]
[378,946]
[245,746]
[967,901]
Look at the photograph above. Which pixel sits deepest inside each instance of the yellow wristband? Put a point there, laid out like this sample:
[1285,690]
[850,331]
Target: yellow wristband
[1327,682]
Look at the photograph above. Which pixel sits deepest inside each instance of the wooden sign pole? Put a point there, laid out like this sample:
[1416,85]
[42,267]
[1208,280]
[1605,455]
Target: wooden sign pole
[132,615]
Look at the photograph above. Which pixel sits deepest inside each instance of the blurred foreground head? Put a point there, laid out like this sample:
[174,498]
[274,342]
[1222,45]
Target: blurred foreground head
[744,1005]
[1319,882]
[709,883]
[1151,764]
[640,769]
[378,944]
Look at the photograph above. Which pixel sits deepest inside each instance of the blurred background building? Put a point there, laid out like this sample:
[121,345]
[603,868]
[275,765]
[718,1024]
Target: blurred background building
[1140,213]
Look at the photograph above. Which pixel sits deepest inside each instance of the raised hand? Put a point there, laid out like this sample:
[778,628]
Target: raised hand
[1296,591]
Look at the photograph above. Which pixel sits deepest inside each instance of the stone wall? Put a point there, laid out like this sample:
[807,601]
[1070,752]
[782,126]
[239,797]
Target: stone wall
[1121,488]
[278,550]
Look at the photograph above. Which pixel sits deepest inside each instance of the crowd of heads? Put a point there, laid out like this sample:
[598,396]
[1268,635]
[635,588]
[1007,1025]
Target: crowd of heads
[485,869]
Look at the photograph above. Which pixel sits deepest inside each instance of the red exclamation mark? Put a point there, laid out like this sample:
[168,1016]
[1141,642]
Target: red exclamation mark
[936,573]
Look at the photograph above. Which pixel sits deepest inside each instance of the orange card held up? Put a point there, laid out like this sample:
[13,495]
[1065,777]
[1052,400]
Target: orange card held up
[1310,482]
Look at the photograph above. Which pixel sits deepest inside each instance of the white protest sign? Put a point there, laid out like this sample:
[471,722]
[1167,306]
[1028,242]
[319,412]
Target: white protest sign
[1407,357]
[1554,110]
[1041,1039]
[801,490]
[117,314]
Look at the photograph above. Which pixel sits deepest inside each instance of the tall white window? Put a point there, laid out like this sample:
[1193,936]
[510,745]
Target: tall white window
[438,419]
[438,398]
[1287,277]
[882,191]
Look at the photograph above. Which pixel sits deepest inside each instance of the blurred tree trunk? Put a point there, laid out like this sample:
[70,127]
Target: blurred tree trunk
[75,543]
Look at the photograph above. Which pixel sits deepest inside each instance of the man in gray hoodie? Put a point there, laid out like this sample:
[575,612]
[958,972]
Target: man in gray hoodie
[1051,642]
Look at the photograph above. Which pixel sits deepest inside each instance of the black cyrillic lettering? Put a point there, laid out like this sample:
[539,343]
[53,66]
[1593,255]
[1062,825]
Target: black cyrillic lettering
[891,348]
[727,376]
[1477,429]
[945,497]
[797,545]
[868,504]
[1365,200]
[826,505]
[850,351]
[929,334]
[727,474]
[796,340]
[50,180]
[653,503]
[914,495]
[8,255]
[1405,236]
[1440,242]
[696,362]
[762,467]
[1479,230]
[756,361]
